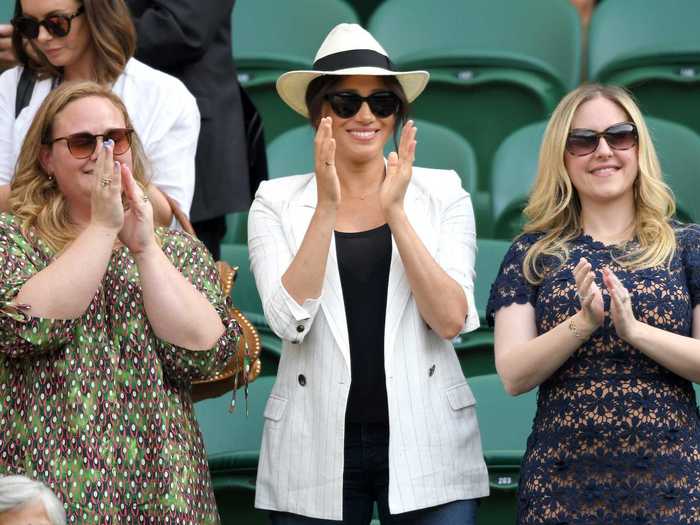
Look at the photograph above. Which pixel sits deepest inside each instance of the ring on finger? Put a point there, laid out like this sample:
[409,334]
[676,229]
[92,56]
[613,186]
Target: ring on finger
[106,182]
[145,198]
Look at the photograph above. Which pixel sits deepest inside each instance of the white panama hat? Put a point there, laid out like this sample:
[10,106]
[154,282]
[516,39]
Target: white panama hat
[348,49]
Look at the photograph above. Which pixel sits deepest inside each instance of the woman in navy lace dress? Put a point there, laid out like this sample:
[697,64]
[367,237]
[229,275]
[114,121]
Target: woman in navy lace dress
[597,304]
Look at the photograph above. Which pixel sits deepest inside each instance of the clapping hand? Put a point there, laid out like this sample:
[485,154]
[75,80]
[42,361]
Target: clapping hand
[327,182]
[105,202]
[620,305]
[589,294]
[398,173]
[137,231]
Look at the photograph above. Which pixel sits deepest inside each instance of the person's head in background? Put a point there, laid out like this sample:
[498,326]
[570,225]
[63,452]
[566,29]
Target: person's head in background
[74,39]
[55,170]
[596,158]
[24,502]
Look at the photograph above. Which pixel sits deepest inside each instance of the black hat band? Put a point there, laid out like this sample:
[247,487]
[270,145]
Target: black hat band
[353,58]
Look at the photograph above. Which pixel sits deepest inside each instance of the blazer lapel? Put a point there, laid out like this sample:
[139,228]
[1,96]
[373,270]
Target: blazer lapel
[301,211]
[399,290]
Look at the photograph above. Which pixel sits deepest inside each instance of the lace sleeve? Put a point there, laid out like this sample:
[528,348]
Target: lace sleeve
[690,242]
[510,285]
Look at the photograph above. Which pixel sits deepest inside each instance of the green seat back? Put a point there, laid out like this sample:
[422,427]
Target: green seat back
[653,49]
[678,149]
[232,442]
[7,11]
[538,36]
[505,423]
[236,228]
[438,147]
[475,349]
[490,72]
[271,37]
[489,255]
[513,173]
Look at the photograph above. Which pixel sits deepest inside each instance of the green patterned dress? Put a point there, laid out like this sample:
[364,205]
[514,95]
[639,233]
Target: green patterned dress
[99,407]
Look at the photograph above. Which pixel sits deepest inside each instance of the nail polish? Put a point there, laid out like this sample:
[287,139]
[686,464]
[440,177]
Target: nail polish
[108,143]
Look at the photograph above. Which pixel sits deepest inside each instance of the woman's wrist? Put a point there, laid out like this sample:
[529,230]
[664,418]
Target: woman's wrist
[581,326]
[147,252]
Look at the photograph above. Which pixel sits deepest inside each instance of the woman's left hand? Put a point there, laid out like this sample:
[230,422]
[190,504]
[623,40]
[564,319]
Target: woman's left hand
[398,173]
[137,232]
[620,306]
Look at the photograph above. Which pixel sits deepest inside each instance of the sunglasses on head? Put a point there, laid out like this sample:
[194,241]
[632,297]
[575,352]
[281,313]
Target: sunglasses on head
[83,145]
[56,25]
[346,104]
[620,136]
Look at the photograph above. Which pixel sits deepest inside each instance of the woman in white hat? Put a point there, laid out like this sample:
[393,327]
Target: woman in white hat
[365,270]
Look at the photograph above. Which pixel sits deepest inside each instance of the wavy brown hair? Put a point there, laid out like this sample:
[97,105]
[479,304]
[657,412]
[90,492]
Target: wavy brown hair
[554,207]
[112,34]
[35,198]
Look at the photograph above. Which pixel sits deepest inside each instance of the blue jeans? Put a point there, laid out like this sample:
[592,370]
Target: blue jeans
[366,481]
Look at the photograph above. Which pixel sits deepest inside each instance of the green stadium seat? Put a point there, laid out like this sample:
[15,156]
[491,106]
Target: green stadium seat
[236,228]
[475,349]
[438,147]
[513,172]
[505,423]
[495,65]
[678,149]
[515,169]
[246,298]
[271,37]
[7,11]
[653,49]
[232,442]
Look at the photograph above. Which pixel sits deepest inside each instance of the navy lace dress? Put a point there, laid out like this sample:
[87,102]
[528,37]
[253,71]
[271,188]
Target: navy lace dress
[616,436]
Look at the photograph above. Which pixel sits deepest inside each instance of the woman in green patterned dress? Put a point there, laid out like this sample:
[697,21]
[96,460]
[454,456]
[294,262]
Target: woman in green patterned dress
[104,323]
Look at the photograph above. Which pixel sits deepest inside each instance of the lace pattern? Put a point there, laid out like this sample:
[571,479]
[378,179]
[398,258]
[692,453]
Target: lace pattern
[616,436]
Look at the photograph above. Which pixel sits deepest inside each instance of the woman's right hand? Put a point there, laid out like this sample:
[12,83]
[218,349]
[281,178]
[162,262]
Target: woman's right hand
[590,296]
[107,210]
[327,183]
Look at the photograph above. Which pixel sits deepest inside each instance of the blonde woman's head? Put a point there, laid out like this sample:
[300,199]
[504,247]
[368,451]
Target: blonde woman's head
[621,165]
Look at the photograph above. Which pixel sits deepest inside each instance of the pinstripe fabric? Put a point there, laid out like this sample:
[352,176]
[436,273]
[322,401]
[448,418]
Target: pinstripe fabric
[435,447]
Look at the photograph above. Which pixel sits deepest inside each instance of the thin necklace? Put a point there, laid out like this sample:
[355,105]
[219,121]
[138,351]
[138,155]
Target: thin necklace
[367,194]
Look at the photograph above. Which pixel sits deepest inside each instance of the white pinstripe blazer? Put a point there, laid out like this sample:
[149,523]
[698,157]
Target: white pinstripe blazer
[434,447]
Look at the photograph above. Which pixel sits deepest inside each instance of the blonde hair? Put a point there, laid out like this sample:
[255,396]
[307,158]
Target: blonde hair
[554,207]
[35,198]
[112,36]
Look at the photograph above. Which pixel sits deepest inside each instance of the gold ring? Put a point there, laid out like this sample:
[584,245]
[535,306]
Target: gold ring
[106,182]
[145,198]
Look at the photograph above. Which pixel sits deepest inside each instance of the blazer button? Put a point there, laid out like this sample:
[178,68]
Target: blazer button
[302,379]
[431,371]
[300,328]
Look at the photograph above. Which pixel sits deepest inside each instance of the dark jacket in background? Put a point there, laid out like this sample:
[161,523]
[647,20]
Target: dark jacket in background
[191,40]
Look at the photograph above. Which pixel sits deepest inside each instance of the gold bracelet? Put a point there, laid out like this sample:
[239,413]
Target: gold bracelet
[575,331]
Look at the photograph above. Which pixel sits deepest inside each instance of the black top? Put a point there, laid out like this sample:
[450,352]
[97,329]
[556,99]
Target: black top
[363,263]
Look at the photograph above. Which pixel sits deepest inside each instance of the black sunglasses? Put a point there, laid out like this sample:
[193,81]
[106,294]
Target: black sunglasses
[82,145]
[56,25]
[346,104]
[620,136]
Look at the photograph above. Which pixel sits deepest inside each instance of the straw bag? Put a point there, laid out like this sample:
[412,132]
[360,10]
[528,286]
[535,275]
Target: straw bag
[244,367]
